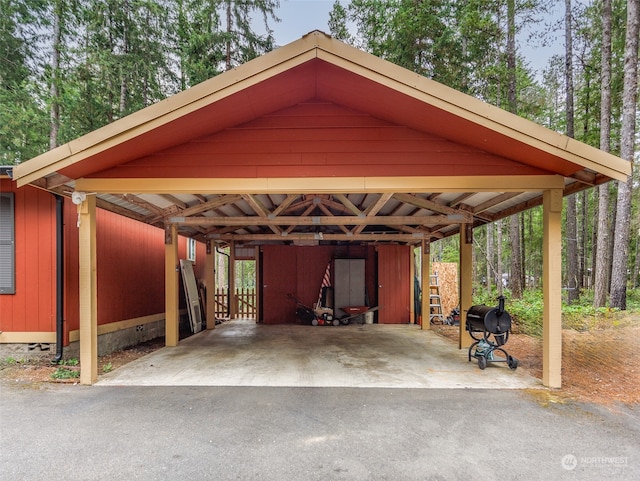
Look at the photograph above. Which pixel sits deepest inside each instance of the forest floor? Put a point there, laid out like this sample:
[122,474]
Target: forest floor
[600,365]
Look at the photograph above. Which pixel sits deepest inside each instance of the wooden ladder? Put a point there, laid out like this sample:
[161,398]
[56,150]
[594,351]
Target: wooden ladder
[435,302]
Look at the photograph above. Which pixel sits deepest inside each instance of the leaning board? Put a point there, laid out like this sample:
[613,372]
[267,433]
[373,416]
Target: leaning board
[191,293]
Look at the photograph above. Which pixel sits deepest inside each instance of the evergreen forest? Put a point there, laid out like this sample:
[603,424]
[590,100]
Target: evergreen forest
[68,67]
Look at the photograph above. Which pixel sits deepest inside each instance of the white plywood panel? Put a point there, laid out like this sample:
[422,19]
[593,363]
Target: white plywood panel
[191,293]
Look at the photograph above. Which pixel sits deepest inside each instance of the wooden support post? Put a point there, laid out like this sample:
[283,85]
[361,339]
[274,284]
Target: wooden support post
[88,281]
[233,301]
[425,281]
[552,289]
[466,282]
[257,284]
[412,291]
[210,283]
[171,284]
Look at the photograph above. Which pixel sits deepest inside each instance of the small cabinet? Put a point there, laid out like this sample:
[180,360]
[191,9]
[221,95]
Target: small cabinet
[349,289]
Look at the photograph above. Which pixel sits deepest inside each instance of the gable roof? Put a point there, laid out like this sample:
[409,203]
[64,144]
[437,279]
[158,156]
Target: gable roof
[319,72]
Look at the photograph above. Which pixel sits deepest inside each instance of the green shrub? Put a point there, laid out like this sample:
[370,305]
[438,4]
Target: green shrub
[65,373]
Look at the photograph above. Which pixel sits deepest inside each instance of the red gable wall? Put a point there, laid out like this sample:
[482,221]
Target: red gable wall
[130,266]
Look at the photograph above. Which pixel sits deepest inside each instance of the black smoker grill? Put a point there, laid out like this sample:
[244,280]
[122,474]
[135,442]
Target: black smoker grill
[489,327]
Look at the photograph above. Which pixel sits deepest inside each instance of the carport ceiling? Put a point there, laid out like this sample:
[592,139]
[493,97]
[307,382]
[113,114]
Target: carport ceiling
[339,131]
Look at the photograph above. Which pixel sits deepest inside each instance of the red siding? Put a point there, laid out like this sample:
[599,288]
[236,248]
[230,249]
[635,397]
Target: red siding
[298,270]
[130,269]
[394,279]
[319,139]
[279,267]
[32,307]
[130,257]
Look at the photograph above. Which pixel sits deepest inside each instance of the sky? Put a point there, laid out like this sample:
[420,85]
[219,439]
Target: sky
[299,17]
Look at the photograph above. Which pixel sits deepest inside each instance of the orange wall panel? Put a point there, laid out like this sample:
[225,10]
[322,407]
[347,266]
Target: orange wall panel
[130,268]
[279,277]
[32,307]
[299,270]
[394,280]
[319,139]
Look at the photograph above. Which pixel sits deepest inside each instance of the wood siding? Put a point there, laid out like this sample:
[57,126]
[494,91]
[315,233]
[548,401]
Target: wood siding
[280,268]
[394,283]
[298,270]
[130,266]
[32,307]
[317,139]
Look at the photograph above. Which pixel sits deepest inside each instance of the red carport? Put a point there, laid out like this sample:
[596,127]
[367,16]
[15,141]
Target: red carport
[366,151]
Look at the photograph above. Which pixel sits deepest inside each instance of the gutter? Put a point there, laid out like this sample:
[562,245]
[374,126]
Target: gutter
[59,277]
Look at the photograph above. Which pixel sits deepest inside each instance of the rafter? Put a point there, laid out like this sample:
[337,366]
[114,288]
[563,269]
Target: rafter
[348,204]
[135,200]
[432,206]
[495,201]
[374,208]
[284,204]
[406,238]
[211,204]
[461,198]
[260,209]
[316,220]
[174,200]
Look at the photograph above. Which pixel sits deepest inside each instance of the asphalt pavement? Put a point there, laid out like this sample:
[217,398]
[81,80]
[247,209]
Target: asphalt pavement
[62,432]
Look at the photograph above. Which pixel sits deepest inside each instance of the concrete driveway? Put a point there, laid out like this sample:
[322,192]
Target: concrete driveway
[243,353]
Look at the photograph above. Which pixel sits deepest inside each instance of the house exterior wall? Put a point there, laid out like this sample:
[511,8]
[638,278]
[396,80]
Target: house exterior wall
[32,307]
[130,275]
[299,270]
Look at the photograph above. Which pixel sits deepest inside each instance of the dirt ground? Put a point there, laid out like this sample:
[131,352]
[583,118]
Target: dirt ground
[601,365]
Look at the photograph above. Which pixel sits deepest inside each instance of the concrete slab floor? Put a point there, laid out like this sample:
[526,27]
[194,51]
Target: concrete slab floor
[243,353]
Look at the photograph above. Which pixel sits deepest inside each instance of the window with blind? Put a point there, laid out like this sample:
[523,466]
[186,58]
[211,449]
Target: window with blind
[7,245]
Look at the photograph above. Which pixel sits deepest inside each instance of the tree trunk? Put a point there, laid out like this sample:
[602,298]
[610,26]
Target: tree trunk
[499,257]
[228,43]
[601,280]
[627,148]
[515,277]
[571,221]
[490,257]
[54,90]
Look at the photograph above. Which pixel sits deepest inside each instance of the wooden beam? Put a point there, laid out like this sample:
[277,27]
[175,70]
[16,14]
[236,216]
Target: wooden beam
[461,198]
[260,209]
[466,282]
[57,180]
[328,213]
[173,199]
[322,185]
[374,208]
[88,295]
[348,204]
[211,204]
[135,200]
[314,220]
[432,206]
[233,299]
[117,209]
[284,204]
[404,238]
[425,281]
[499,199]
[210,283]
[171,281]
[552,289]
